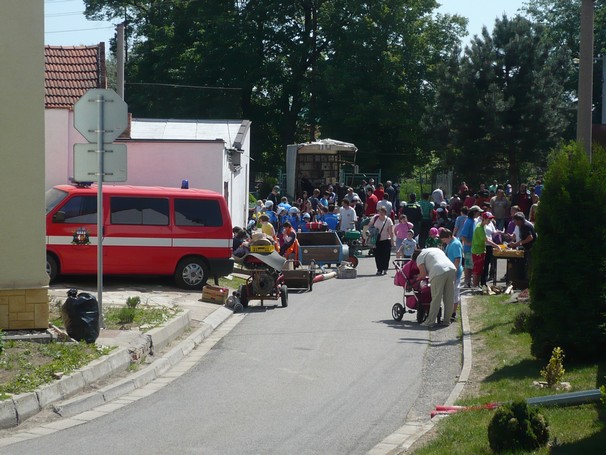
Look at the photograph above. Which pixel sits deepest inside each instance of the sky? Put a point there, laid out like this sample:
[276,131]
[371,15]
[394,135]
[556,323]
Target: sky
[65,24]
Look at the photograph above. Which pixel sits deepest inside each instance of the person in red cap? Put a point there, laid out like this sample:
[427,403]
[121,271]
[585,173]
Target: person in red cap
[478,247]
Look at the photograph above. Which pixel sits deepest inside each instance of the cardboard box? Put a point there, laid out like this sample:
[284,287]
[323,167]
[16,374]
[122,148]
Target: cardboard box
[215,294]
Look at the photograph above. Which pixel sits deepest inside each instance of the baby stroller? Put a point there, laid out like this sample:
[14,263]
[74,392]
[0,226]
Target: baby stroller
[417,292]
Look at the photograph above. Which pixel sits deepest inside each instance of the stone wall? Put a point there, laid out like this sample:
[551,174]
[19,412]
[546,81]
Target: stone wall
[24,309]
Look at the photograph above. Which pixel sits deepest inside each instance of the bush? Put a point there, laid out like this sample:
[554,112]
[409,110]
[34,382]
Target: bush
[567,286]
[1,341]
[516,427]
[521,321]
[133,302]
[126,315]
[554,371]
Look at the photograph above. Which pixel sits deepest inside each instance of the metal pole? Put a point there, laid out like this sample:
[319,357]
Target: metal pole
[100,151]
[603,89]
[120,60]
[585,77]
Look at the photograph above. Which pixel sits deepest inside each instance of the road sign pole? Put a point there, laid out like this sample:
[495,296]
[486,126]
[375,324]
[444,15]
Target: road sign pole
[100,124]
[100,151]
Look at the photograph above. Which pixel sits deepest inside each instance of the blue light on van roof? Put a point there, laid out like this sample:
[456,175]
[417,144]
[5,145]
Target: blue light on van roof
[184,184]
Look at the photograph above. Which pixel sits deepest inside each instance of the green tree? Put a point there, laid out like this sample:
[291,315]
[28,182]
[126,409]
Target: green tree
[563,24]
[353,70]
[500,105]
[567,287]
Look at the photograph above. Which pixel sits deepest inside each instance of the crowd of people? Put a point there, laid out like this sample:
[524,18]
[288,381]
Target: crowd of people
[435,230]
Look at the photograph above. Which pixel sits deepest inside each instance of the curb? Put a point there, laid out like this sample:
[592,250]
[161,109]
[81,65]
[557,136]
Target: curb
[18,408]
[404,437]
[151,372]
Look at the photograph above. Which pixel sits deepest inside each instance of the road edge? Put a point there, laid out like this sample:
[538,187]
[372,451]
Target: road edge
[401,440]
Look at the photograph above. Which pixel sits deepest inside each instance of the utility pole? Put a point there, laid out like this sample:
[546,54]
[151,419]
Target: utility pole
[584,121]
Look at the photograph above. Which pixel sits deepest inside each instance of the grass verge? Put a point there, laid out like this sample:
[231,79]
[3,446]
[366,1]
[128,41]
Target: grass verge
[142,317]
[503,370]
[25,366]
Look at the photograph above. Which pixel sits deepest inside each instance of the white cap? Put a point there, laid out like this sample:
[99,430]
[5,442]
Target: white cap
[269,204]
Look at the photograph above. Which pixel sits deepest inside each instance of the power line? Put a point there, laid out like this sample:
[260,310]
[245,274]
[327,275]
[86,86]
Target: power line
[183,86]
[71,13]
[79,30]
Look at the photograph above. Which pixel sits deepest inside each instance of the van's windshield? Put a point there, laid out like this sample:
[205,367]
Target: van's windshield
[53,197]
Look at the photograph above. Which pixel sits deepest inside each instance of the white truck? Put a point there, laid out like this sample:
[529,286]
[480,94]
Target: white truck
[318,164]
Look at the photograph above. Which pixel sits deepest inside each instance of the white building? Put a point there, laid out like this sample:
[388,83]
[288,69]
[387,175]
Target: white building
[210,154]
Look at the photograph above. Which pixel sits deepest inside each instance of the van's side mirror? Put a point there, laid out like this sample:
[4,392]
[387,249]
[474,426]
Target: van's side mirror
[59,217]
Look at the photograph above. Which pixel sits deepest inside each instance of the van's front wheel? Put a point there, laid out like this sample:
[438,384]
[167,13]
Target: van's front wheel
[191,273]
[52,268]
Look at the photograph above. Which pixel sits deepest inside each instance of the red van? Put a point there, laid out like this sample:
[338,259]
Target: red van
[147,231]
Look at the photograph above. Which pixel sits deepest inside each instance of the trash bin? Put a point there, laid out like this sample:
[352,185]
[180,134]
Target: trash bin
[80,314]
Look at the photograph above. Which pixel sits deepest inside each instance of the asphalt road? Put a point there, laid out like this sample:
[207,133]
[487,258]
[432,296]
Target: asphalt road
[332,373]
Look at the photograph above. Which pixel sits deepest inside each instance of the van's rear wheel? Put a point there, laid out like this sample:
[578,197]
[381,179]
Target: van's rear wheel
[52,267]
[191,273]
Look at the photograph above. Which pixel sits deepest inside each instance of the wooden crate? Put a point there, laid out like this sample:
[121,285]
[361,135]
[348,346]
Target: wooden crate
[215,294]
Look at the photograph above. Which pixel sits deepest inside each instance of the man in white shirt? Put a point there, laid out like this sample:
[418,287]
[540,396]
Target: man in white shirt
[434,263]
[347,216]
[388,205]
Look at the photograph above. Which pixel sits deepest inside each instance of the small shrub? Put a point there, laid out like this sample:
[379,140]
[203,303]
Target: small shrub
[133,302]
[1,341]
[126,315]
[521,321]
[554,371]
[516,427]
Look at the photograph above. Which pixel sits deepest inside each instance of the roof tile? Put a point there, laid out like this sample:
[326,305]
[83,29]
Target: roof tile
[70,71]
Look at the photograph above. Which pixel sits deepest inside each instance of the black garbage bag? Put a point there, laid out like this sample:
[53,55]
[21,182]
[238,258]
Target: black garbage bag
[80,314]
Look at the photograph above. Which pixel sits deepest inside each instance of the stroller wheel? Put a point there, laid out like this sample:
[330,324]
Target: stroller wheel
[397,312]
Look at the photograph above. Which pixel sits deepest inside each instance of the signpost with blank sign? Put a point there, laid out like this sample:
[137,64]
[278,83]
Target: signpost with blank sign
[100,116]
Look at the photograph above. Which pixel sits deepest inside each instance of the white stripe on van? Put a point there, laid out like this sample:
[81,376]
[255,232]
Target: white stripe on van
[146,242]
[203,243]
[137,241]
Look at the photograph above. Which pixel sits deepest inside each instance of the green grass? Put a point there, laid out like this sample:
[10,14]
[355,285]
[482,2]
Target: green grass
[234,283]
[148,317]
[24,366]
[504,357]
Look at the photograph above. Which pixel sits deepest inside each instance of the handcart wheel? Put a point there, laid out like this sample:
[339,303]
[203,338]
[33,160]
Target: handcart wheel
[243,291]
[353,260]
[397,312]
[284,295]
[238,307]
[421,313]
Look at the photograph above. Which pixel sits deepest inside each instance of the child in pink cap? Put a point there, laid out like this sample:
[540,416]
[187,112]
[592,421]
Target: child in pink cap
[433,241]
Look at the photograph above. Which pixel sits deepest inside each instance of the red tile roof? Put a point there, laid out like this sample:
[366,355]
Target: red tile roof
[69,71]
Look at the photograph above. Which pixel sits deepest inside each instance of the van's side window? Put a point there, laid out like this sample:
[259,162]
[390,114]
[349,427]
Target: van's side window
[81,210]
[198,212]
[139,211]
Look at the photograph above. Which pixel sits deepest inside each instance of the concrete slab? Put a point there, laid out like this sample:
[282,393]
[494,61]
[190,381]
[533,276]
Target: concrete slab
[49,394]
[117,389]
[8,414]
[26,405]
[162,336]
[79,404]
